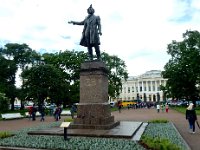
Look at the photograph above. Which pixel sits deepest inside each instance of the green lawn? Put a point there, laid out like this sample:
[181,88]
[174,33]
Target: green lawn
[183,109]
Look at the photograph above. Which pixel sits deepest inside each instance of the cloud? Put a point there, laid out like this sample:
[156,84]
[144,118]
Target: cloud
[136,31]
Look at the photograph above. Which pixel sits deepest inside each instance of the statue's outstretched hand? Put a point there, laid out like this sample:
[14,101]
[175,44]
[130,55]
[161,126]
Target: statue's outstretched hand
[71,22]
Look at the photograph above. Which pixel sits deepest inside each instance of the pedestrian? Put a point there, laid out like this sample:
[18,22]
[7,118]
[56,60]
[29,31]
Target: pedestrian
[119,105]
[166,108]
[73,110]
[59,112]
[30,111]
[162,107]
[191,117]
[56,113]
[42,112]
[34,112]
[51,109]
[158,108]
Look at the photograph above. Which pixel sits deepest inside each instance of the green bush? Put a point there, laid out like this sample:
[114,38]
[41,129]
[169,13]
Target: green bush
[68,120]
[5,134]
[158,143]
[158,121]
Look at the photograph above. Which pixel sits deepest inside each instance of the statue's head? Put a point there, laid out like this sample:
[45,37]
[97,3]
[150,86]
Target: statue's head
[90,10]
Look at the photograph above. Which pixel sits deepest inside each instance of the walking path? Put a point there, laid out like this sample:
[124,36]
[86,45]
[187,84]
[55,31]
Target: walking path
[126,115]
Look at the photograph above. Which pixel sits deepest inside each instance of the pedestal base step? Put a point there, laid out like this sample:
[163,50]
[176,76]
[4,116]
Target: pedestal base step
[97,127]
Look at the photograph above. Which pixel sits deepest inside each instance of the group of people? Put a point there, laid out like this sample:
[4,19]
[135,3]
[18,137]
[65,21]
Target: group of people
[162,107]
[41,109]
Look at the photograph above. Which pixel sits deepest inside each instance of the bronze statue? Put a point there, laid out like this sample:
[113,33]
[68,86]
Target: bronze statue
[91,31]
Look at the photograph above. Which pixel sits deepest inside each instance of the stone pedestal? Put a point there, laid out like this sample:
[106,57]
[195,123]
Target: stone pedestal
[94,109]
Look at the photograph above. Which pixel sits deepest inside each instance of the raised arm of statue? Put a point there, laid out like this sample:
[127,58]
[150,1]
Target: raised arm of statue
[76,23]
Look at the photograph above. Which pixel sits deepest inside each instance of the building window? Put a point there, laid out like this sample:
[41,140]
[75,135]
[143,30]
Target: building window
[140,88]
[158,88]
[154,89]
[145,88]
[132,88]
[149,97]
[136,89]
[124,89]
[128,89]
[149,88]
[133,98]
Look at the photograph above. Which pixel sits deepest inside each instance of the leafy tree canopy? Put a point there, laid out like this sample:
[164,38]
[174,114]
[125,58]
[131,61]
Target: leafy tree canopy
[183,68]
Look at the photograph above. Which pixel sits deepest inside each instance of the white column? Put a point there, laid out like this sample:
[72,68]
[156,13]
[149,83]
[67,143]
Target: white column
[138,85]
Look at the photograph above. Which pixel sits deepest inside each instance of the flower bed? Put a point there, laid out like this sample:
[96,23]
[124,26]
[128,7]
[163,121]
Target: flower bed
[165,131]
[22,139]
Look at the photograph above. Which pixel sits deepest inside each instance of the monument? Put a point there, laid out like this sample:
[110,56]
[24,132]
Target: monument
[93,108]
[94,117]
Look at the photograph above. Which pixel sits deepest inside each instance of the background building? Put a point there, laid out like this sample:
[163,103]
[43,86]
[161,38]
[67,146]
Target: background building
[145,87]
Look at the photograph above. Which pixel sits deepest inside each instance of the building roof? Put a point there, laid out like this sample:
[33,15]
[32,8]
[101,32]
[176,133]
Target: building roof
[151,74]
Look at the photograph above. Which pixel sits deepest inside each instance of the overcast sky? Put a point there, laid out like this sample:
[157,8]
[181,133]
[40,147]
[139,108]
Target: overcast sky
[137,31]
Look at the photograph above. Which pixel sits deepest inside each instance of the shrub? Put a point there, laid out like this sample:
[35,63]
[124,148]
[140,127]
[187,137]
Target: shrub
[68,120]
[158,143]
[158,121]
[5,134]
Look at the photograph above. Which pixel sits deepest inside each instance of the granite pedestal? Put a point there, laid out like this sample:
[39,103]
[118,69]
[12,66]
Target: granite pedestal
[93,109]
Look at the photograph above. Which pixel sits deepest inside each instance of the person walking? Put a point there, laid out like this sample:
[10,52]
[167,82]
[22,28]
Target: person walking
[167,108]
[42,112]
[73,110]
[162,107]
[30,111]
[158,108]
[191,117]
[56,113]
[34,112]
[119,105]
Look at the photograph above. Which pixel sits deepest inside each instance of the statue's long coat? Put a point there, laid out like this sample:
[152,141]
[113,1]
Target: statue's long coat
[90,35]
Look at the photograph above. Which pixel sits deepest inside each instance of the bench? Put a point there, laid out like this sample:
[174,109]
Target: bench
[11,116]
[66,112]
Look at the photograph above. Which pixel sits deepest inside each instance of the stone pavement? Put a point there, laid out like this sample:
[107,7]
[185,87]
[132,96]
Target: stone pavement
[126,115]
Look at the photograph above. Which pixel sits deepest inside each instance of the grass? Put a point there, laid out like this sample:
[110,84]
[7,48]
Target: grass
[183,109]
[5,134]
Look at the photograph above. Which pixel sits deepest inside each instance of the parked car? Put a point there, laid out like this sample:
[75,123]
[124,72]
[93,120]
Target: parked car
[17,106]
[112,104]
[198,102]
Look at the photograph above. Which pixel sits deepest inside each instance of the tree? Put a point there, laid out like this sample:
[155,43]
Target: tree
[183,68]
[7,78]
[4,101]
[44,81]
[20,55]
[117,73]
[69,62]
